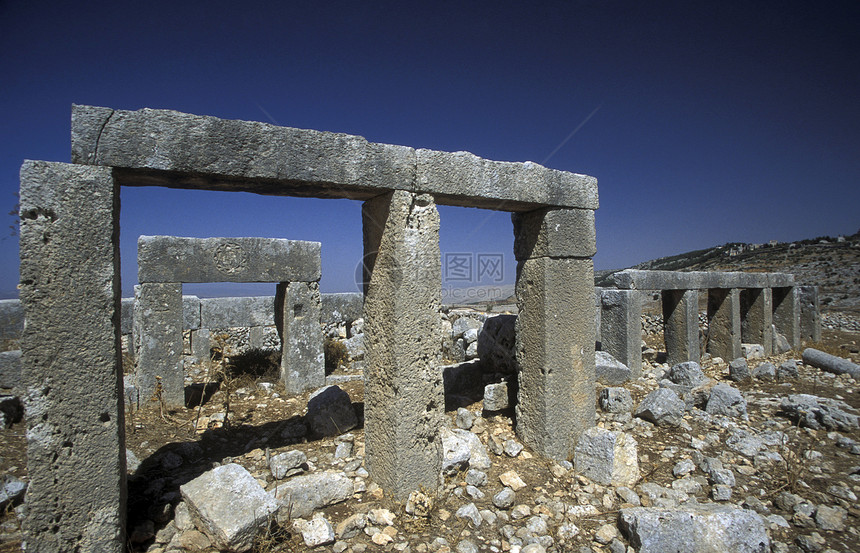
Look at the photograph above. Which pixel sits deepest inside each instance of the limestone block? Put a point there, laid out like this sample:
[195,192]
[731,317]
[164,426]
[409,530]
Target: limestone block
[71,358]
[810,315]
[127,317]
[702,528]
[681,325]
[404,398]
[159,319]
[190,312]
[182,259]
[724,323]
[757,318]
[631,279]
[10,370]
[302,356]
[337,308]
[219,313]
[496,396]
[330,412]
[300,496]
[608,458]
[550,232]
[621,327]
[178,149]
[497,342]
[609,370]
[555,353]
[11,319]
[229,506]
[662,407]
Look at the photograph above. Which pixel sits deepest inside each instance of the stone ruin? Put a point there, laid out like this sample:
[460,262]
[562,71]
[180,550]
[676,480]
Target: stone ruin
[165,262]
[741,308]
[70,290]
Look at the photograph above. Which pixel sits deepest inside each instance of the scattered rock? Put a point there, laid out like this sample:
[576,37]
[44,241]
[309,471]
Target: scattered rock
[616,400]
[496,396]
[229,506]
[818,412]
[609,370]
[512,480]
[607,457]
[330,412]
[302,495]
[765,372]
[662,407]
[728,401]
[688,373]
[315,532]
[287,464]
[739,370]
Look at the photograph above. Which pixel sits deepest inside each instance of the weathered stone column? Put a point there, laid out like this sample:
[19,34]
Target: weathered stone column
[681,325]
[158,315]
[621,327]
[809,320]
[555,328]
[787,310]
[302,358]
[72,367]
[404,397]
[757,318]
[724,323]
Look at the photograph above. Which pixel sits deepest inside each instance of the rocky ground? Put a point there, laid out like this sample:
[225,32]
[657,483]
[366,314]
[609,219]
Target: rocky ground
[782,469]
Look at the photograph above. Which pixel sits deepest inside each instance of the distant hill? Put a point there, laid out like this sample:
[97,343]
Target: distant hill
[828,262]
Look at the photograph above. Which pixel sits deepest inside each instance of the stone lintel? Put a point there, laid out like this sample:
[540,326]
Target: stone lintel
[681,325]
[181,259]
[552,232]
[698,280]
[71,358]
[168,148]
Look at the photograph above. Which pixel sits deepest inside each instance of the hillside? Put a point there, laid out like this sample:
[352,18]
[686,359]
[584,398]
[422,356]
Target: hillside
[831,263]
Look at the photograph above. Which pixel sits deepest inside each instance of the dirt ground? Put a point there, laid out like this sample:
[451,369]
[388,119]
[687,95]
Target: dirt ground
[260,411]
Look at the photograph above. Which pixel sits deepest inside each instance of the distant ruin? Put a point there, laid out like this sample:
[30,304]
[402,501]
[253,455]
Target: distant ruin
[70,290]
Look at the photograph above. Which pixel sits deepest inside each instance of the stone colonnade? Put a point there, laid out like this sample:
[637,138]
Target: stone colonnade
[71,293]
[166,262]
[742,308]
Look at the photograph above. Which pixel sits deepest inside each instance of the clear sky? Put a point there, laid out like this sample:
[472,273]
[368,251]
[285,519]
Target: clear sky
[704,122]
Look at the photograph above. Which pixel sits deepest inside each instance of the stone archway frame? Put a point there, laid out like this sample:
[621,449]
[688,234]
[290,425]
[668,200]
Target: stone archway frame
[167,262]
[71,293]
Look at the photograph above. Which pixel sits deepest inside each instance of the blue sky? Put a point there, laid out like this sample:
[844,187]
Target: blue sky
[704,122]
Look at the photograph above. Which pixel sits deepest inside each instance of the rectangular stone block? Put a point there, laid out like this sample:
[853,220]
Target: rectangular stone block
[181,259]
[71,358]
[757,318]
[342,307]
[11,320]
[786,317]
[724,323]
[698,280]
[10,372]
[555,353]
[201,344]
[217,313]
[167,148]
[158,316]
[302,358]
[549,232]
[126,324]
[404,398]
[681,326]
[193,151]
[787,313]
[190,312]
[621,327]
[462,178]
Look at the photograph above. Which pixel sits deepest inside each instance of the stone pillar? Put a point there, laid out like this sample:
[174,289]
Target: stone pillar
[724,323]
[621,327]
[555,328]
[787,314]
[809,321]
[297,304]
[681,325]
[201,344]
[404,396]
[72,364]
[158,316]
[757,318]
